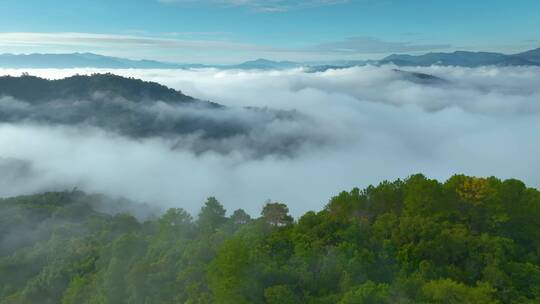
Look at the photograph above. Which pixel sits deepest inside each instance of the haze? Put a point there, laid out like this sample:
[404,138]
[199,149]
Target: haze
[362,125]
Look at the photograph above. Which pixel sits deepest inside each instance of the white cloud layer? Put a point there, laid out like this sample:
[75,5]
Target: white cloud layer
[482,121]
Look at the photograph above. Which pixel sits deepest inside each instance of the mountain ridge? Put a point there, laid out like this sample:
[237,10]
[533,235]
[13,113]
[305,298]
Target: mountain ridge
[85,86]
[465,58]
[78,60]
[91,60]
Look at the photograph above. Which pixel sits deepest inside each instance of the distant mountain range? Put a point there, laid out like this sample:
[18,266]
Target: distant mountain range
[79,60]
[89,60]
[264,64]
[466,59]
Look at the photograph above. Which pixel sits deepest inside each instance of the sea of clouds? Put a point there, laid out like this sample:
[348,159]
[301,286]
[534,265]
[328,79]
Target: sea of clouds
[370,124]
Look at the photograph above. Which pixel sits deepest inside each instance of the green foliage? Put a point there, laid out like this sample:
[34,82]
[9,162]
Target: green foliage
[276,214]
[449,292]
[280,294]
[467,240]
[212,215]
[240,217]
[367,293]
[34,89]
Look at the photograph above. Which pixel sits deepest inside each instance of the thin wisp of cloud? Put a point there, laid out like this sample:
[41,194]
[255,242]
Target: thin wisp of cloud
[269,6]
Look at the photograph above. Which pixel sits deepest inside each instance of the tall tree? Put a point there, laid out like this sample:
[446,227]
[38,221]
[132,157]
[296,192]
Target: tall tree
[240,217]
[276,214]
[211,216]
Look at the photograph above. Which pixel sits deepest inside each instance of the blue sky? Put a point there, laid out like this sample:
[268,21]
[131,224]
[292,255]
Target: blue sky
[224,31]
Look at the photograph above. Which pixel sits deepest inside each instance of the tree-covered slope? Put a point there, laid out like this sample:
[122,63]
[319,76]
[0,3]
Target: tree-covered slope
[467,240]
[85,87]
[139,109]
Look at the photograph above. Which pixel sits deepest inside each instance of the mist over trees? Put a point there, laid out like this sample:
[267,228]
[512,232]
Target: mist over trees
[466,240]
[142,110]
[418,240]
[269,152]
[329,130]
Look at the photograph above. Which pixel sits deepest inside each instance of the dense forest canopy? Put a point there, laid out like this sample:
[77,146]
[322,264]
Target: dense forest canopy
[84,87]
[467,240]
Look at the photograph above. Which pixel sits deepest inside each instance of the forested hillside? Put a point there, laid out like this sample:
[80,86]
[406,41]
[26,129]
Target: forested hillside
[37,90]
[142,110]
[467,240]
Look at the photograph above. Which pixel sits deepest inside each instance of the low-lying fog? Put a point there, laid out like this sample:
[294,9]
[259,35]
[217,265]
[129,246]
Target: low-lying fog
[362,125]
